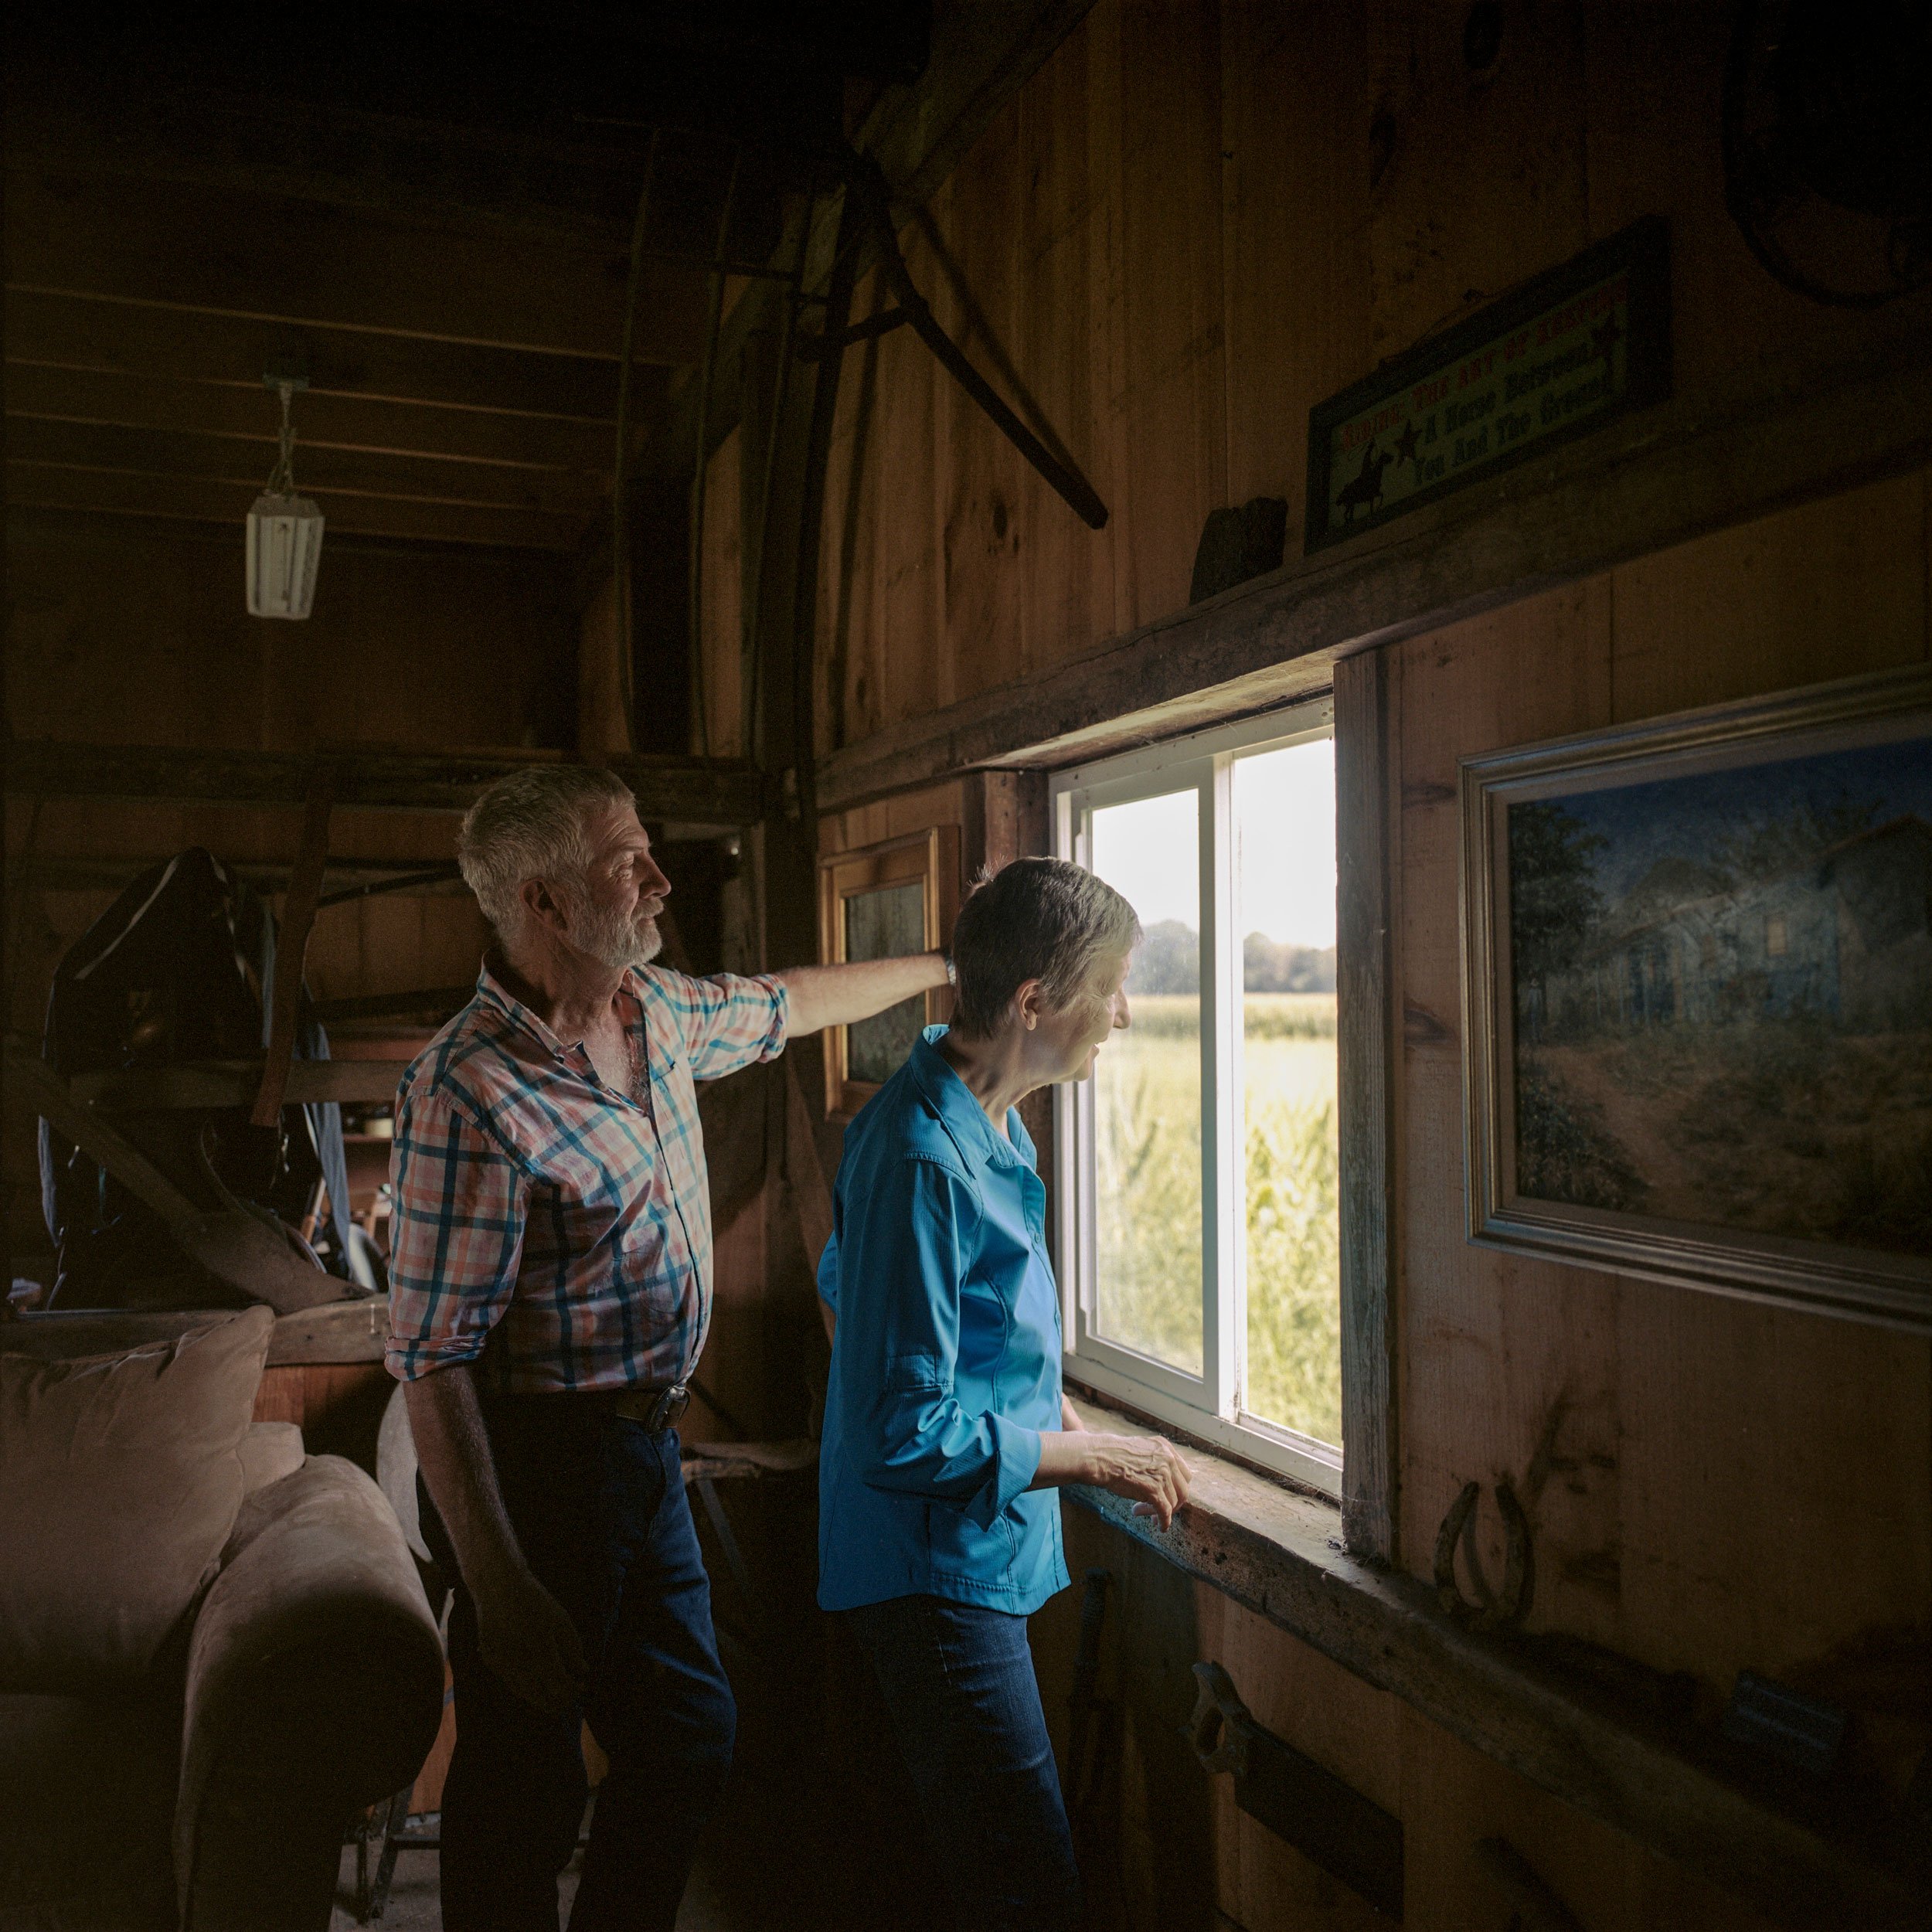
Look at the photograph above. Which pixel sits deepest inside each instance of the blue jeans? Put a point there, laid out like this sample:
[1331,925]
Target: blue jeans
[959,1681]
[598,1505]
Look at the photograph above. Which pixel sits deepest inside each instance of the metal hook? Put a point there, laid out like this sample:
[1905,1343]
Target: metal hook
[1218,1728]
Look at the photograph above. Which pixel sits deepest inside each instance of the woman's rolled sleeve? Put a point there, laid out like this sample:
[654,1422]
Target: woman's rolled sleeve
[456,1237]
[901,1264]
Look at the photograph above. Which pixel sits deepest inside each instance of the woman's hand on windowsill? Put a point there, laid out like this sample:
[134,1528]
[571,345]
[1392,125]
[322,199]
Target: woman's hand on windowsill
[1147,1470]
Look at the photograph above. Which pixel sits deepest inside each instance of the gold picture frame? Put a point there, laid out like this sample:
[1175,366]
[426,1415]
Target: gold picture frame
[1697,998]
[867,899]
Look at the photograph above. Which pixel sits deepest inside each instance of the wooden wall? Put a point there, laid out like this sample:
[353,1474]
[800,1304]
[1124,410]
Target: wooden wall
[125,634]
[1165,1847]
[1196,223]
[1718,1485]
[1713,1485]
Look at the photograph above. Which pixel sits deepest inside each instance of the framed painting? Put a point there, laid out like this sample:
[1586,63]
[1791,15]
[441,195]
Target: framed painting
[898,897]
[1697,986]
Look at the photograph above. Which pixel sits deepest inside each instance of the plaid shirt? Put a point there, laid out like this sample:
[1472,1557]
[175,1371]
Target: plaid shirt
[549,1228]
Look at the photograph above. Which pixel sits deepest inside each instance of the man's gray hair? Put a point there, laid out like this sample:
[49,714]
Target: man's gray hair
[531,825]
[1042,919]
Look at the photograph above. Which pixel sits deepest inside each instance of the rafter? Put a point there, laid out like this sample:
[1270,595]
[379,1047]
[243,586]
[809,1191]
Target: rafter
[176,499]
[324,420]
[119,337]
[322,471]
[293,262]
[688,790]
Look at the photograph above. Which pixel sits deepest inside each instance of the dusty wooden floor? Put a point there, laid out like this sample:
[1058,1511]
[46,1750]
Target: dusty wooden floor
[786,1850]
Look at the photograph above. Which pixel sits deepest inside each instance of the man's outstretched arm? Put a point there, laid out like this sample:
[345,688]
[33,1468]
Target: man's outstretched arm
[836,995]
[525,1637]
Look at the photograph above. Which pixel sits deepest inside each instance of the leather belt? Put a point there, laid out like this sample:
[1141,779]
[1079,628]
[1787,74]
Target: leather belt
[655,1408]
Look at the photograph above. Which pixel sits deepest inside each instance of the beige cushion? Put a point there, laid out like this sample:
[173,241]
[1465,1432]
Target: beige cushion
[120,1477]
[270,1451]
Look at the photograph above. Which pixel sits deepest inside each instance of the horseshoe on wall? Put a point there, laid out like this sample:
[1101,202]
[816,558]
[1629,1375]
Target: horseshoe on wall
[1511,1606]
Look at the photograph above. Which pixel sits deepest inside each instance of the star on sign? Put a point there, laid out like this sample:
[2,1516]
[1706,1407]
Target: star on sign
[1406,443]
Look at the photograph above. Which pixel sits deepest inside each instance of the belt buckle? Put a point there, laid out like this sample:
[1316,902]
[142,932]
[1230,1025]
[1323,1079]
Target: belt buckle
[669,1410]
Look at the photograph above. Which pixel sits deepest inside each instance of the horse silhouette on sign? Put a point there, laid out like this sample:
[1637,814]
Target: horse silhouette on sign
[1366,489]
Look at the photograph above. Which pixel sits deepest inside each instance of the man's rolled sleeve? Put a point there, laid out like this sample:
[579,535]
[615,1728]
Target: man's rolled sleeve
[899,1341]
[456,1237]
[730,1019]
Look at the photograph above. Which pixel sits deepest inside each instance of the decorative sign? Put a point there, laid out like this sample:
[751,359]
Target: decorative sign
[1563,355]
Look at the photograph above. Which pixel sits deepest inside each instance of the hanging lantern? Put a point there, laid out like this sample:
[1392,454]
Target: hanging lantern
[285,532]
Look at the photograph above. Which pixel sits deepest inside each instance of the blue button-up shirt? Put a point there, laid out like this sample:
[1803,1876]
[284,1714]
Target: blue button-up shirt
[947,1362]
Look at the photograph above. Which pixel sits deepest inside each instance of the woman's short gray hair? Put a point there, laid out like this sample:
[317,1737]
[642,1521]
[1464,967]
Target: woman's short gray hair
[531,825]
[1042,919]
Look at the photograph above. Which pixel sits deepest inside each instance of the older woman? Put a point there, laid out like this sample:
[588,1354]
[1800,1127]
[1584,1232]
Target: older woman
[946,1431]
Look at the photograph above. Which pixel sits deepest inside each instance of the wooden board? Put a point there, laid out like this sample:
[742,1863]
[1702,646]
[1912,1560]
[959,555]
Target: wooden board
[46,330]
[1716,1486]
[572,455]
[1447,1795]
[133,241]
[720,560]
[375,779]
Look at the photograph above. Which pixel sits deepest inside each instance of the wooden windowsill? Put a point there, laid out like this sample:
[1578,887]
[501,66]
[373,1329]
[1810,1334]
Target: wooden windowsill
[1674,1786]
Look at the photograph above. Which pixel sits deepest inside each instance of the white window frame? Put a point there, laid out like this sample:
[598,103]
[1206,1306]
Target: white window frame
[1207,1406]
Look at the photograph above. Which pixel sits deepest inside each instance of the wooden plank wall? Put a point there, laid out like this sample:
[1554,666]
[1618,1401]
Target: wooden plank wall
[1716,1485]
[1193,224]
[1165,1846]
[127,636]
[1196,222]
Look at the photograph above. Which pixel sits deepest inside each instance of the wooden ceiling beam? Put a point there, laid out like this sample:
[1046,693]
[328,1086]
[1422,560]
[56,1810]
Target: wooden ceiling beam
[65,872]
[122,337]
[294,263]
[686,791]
[458,178]
[192,500]
[323,420]
[327,473]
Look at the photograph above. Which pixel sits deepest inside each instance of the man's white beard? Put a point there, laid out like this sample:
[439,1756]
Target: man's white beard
[613,940]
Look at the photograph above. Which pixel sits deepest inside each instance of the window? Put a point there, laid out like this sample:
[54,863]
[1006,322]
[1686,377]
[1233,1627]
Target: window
[1199,1186]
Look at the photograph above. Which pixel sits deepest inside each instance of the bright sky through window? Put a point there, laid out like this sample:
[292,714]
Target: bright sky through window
[1287,878]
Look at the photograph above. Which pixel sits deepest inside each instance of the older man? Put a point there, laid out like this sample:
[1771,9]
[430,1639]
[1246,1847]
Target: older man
[550,1289]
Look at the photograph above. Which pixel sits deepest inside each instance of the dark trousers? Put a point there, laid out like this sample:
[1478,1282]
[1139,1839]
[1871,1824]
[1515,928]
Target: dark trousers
[965,1706]
[598,1505]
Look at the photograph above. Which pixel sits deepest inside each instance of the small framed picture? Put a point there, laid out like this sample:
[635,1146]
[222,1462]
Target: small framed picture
[1697,982]
[899,896]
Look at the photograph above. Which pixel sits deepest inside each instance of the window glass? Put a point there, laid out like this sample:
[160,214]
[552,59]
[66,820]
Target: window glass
[1147,1090]
[1283,821]
[881,924]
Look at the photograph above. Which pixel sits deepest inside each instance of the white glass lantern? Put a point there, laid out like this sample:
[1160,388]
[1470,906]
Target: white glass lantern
[284,537]
[284,545]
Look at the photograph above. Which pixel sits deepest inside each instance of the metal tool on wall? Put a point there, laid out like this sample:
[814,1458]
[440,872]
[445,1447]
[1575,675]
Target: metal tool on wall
[1303,1803]
[868,185]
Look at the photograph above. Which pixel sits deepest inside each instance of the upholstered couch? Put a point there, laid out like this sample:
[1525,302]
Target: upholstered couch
[214,1649]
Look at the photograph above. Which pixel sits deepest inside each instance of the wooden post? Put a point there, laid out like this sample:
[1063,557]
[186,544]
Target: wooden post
[298,915]
[1005,818]
[1367,992]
